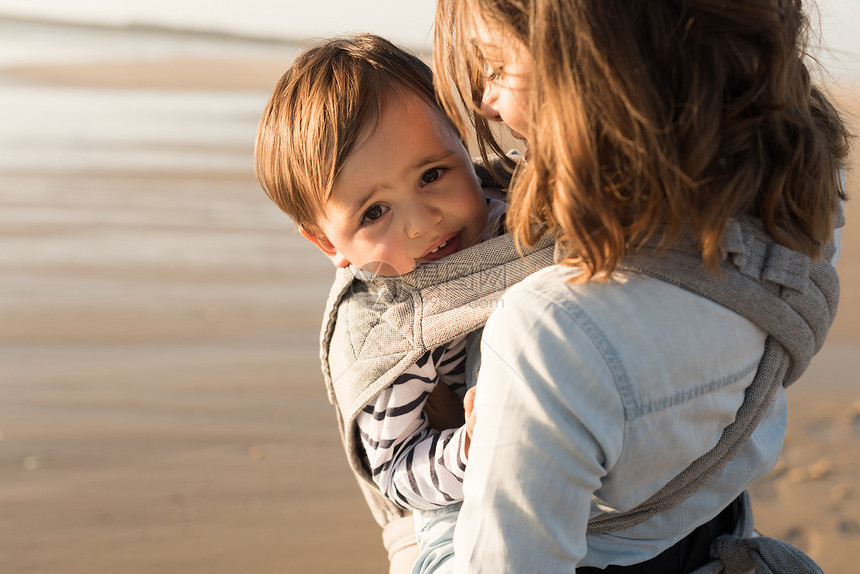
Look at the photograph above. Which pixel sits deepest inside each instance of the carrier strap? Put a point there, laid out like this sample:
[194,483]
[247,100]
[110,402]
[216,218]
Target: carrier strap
[744,551]
[790,297]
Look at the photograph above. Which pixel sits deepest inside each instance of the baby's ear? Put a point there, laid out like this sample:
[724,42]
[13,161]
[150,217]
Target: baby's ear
[326,247]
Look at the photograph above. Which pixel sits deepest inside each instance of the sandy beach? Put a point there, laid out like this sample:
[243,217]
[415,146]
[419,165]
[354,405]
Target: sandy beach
[161,407]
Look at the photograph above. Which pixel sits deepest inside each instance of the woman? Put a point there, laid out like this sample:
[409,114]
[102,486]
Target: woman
[669,144]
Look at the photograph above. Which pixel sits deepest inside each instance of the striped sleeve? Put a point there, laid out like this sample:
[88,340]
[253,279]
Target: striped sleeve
[412,464]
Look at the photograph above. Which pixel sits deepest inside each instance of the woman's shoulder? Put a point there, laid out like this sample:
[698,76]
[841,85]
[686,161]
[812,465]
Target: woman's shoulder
[633,299]
[551,300]
[671,338]
[556,287]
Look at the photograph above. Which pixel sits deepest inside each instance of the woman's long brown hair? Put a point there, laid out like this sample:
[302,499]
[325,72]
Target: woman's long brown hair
[650,117]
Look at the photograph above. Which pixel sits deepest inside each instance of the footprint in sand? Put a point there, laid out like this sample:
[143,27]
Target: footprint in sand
[849,527]
[840,493]
[820,469]
[806,539]
[818,427]
[851,415]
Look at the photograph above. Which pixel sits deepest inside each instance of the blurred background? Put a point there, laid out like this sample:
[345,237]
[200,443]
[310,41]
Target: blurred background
[161,407]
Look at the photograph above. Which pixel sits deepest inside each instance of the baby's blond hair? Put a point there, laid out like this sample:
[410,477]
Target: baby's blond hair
[320,108]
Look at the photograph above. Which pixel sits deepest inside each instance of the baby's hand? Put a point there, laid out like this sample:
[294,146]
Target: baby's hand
[443,408]
[469,408]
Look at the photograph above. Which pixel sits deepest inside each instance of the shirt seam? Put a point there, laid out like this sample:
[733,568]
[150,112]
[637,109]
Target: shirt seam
[649,407]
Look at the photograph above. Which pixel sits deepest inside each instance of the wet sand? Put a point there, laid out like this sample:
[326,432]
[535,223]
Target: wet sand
[161,407]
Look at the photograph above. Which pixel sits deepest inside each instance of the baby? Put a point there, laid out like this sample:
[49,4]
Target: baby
[354,148]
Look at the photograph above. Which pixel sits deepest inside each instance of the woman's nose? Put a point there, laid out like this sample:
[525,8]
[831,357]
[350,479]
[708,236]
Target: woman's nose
[488,103]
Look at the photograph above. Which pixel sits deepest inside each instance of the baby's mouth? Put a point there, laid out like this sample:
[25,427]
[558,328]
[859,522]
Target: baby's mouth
[445,248]
[444,243]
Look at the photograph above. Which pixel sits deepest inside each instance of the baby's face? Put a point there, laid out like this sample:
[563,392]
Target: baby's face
[408,193]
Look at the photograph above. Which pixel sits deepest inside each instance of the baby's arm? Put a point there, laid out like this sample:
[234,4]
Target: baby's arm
[414,465]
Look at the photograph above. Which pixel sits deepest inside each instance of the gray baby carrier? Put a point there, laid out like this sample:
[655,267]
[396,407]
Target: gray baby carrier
[376,327]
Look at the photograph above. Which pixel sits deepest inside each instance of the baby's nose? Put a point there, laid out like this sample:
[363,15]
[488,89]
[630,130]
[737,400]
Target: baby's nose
[424,218]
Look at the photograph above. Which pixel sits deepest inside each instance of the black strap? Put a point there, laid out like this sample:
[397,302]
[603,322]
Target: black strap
[689,553]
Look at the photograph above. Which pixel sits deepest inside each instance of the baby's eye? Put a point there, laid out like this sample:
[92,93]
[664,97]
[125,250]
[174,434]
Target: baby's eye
[373,213]
[430,175]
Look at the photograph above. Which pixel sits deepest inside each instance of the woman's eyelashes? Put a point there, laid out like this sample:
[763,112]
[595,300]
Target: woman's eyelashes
[493,73]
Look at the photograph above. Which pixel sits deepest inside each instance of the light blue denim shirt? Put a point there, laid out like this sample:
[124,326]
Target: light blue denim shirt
[590,398]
